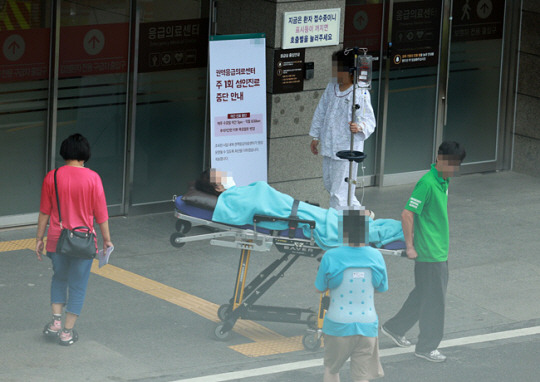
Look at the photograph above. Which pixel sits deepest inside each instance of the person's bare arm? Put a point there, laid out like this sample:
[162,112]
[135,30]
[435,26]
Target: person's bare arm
[43,219]
[104,227]
[407,223]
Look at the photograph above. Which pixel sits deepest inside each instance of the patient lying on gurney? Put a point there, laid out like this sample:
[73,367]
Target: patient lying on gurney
[238,205]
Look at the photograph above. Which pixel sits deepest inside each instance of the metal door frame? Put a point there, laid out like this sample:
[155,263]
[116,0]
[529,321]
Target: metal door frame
[506,110]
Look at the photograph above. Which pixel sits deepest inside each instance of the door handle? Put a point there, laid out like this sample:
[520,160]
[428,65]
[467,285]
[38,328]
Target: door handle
[445,97]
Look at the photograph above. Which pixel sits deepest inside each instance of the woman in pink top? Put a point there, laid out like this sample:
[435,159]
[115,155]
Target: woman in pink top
[82,200]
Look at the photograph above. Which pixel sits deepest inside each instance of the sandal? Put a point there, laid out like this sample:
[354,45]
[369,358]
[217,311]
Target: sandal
[53,328]
[68,337]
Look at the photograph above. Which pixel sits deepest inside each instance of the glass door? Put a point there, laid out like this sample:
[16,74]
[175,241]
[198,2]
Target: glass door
[92,86]
[24,87]
[406,39]
[474,82]
[363,29]
[411,88]
[444,82]
[171,100]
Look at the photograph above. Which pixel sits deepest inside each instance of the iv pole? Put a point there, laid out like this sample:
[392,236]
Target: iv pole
[352,155]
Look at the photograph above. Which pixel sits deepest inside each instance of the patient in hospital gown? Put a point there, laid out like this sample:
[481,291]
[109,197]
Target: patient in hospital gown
[238,205]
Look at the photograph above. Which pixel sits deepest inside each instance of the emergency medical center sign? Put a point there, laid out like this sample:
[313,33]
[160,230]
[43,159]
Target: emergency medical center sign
[238,106]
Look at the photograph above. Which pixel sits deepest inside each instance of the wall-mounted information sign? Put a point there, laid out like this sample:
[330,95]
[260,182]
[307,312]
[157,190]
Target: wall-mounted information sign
[288,71]
[304,29]
[415,34]
[477,20]
[173,45]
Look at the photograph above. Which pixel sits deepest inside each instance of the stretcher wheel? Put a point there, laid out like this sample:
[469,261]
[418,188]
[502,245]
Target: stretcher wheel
[183,226]
[175,236]
[219,335]
[313,321]
[223,312]
[311,341]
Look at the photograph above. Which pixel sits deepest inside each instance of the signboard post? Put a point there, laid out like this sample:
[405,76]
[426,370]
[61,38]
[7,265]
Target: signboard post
[238,106]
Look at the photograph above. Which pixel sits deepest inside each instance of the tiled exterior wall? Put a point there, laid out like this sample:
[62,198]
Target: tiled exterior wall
[527,128]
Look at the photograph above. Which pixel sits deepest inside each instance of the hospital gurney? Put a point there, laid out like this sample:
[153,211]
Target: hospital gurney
[291,243]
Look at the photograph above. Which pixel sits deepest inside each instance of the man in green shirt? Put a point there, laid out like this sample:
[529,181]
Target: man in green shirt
[425,227]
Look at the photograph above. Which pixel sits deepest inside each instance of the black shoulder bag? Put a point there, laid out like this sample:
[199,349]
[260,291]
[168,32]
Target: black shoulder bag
[78,242]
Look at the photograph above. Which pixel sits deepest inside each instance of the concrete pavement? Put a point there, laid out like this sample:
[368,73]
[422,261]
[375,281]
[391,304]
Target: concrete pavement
[149,317]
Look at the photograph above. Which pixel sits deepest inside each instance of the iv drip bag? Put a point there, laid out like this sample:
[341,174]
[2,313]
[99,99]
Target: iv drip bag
[365,71]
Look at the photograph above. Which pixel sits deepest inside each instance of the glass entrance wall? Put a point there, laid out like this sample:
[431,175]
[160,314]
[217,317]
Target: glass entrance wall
[475,76]
[410,91]
[94,41]
[24,72]
[363,27]
[167,127]
[92,86]
[411,120]
[473,98]
[413,91]
[171,97]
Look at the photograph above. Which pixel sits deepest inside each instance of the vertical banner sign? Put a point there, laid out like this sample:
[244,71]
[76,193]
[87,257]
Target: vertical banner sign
[238,106]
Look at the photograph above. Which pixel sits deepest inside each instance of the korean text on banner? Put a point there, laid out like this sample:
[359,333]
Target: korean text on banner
[238,106]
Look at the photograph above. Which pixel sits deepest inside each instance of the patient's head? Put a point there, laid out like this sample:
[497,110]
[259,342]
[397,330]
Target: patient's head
[354,226]
[214,182]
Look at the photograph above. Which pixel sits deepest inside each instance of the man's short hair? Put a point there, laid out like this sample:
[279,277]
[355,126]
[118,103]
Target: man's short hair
[452,150]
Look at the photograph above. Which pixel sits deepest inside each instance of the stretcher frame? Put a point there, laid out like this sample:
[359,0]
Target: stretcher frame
[242,303]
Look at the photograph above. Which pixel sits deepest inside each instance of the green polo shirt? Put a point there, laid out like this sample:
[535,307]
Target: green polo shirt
[429,202]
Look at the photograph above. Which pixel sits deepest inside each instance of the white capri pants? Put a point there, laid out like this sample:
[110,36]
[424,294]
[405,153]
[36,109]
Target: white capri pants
[334,173]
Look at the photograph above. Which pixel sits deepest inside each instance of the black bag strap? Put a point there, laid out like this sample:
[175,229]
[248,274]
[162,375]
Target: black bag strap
[57,199]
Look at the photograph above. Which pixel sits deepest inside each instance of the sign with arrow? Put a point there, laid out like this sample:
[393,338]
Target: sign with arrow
[84,50]
[477,20]
[94,41]
[14,47]
[25,55]
[93,49]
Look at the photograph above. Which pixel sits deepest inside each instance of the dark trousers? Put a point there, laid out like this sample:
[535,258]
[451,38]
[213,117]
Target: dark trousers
[425,304]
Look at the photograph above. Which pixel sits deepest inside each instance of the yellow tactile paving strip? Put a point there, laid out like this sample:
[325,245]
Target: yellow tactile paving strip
[195,304]
[267,342]
[17,245]
[269,347]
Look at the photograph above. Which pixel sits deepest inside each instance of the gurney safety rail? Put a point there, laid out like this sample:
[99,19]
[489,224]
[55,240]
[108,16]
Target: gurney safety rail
[244,238]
